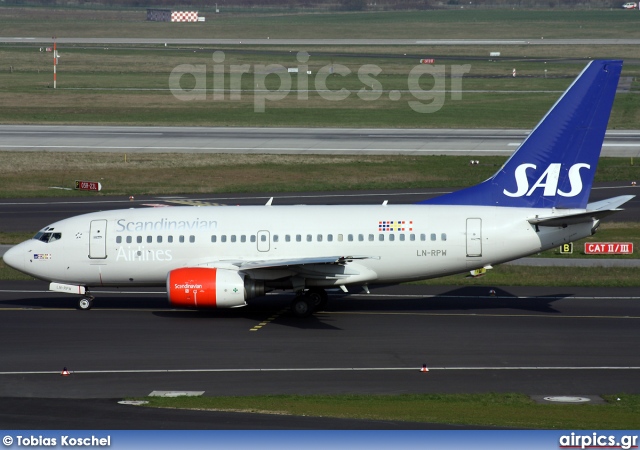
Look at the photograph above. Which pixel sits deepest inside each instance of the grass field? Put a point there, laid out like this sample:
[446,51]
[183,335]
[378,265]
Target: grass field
[173,173]
[97,86]
[117,85]
[451,24]
[489,410]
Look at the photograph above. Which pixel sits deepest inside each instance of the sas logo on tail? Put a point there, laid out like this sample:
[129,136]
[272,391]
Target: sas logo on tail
[548,180]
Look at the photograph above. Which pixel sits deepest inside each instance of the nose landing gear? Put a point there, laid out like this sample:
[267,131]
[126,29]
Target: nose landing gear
[86,302]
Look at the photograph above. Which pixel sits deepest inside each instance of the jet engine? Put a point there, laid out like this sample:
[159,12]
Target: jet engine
[202,287]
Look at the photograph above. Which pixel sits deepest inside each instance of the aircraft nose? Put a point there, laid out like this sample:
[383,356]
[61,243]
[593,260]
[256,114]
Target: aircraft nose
[14,257]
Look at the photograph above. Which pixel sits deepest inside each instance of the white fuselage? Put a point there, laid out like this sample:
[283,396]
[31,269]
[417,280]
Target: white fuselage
[396,242]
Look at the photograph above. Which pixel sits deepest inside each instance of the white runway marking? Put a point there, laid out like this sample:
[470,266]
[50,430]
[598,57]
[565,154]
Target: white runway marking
[320,369]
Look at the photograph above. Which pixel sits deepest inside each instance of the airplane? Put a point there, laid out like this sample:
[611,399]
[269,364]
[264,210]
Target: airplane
[222,256]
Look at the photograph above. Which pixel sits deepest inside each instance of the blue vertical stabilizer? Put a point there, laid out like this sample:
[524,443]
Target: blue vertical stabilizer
[555,165]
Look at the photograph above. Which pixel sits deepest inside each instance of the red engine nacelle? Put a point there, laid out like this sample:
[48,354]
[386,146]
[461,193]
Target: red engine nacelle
[201,287]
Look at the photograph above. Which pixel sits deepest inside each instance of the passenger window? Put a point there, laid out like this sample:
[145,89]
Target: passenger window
[339,238]
[243,238]
[223,238]
[275,238]
[330,237]
[361,237]
[401,237]
[433,236]
[118,239]
[149,239]
[319,238]
[263,238]
[287,238]
[181,239]
[253,238]
[139,239]
[423,237]
[392,237]
[170,239]
[298,238]
[412,237]
[350,237]
[233,238]
[159,240]
[213,238]
[129,239]
[192,238]
[443,236]
[381,237]
[309,238]
[371,237]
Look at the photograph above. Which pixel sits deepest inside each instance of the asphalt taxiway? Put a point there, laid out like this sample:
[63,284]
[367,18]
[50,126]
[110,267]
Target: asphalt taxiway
[569,341]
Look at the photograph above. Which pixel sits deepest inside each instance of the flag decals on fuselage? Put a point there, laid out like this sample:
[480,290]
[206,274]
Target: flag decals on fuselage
[395,225]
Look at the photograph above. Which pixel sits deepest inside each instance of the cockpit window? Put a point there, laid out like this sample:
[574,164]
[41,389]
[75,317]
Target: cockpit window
[47,237]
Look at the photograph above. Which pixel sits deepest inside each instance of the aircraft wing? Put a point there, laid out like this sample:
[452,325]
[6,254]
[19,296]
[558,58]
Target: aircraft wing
[323,268]
[284,263]
[596,210]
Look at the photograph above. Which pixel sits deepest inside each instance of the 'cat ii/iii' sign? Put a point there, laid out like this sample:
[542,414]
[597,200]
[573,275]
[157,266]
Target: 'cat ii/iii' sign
[608,248]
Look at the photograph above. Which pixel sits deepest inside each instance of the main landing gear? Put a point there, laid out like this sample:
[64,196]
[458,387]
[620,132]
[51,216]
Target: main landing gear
[306,303]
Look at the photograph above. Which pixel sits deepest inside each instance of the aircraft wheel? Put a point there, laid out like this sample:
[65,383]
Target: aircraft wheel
[302,306]
[85,304]
[318,298]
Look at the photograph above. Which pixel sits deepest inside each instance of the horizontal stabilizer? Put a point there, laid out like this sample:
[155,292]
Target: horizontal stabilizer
[610,204]
[596,210]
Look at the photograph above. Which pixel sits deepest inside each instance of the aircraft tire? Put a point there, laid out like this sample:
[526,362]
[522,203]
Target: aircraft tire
[318,297]
[85,304]
[302,306]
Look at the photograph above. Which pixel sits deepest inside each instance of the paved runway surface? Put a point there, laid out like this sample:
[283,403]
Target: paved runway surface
[541,341]
[350,42]
[283,140]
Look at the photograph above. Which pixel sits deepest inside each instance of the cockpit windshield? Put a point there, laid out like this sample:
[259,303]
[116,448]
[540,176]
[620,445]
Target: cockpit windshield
[47,236]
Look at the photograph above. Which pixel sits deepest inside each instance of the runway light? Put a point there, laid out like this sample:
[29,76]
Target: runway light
[424,368]
[65,372]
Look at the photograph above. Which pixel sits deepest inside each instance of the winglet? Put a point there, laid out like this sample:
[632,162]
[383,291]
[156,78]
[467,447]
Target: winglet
[554,167]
